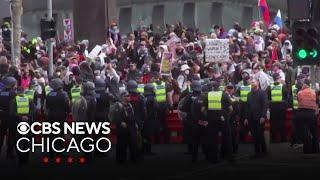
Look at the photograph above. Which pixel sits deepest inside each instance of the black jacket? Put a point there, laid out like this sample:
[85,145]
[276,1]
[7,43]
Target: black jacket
[257,105]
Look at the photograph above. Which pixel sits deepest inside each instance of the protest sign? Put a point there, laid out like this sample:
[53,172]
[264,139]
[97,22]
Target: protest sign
[95,52]
[166,63]
[217,50]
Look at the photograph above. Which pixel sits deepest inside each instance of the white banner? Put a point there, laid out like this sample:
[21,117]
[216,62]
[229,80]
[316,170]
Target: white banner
[217,50]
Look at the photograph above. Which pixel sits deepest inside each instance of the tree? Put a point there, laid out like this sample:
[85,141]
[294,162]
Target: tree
[16,6]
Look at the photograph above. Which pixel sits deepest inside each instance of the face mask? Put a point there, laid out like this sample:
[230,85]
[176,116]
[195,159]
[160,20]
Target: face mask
[63,55]
[37,48]
[187,72]
[38,56]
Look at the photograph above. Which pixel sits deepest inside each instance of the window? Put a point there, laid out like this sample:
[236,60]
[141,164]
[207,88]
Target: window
[188,15]
[125,20]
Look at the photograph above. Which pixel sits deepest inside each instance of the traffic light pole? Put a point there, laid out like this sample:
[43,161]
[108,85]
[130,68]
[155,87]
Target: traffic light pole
[49,41]
[16,13]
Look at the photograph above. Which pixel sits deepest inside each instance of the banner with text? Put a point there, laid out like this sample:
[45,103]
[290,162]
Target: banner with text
[217,50]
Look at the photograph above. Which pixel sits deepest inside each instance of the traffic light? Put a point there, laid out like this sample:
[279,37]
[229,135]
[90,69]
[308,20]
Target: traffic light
[48,29]
[306,47]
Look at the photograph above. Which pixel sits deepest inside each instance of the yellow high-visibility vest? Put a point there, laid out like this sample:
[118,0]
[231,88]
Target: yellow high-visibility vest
[75,93]
[214,100]
[29,93]
[294,97]
[47,89]
[140,88]
[22,105]
[276,93]
[244,91]
[161,95]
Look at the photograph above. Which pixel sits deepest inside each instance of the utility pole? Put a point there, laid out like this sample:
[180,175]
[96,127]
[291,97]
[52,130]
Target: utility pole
[49,41]
[16,13]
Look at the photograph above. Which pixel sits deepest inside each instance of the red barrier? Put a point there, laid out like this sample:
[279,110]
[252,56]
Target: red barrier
[175,127]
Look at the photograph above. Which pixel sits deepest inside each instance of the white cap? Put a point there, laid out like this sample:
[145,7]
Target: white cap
[184,67]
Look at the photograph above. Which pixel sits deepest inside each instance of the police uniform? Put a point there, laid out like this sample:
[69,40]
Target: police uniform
[6,96]
[162,112]
[57,107]
[75,93]
[149,124]
[243,92]
[137,101]
[198,122]
[278,96]
[218,105]
[296,133]
[103,104]
[21,110]
[126,135]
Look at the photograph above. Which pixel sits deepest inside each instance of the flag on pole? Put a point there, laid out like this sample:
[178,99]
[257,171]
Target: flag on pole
[278,20]
[264,11]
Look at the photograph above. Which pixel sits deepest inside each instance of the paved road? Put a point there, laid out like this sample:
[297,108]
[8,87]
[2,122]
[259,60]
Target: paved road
[171,163]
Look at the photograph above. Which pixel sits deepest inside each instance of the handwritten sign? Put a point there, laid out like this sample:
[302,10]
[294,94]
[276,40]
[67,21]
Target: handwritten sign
[217,50]
[166,63]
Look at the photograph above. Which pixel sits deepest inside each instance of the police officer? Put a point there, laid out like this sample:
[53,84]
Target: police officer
[149,124]
[307,107]
[103,104]
[243,90]
[137,101]
[126,129]
[22,111]
[296,139]
[278,96]
[162,112]
[75,92]
[89,116]
[234,117]
[198,122]
[57,108]
[6,96]
[218,106]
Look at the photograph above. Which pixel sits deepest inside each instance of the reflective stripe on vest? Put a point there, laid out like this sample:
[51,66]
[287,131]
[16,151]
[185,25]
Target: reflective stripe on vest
[75,93]
[29,94]
[214,100]
[22,105]
[140,88]
[244,91]
[276,93]
[47,89]
[161,95]
[294,97]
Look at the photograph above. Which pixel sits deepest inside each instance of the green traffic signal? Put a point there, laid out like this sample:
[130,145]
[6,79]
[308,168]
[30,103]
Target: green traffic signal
[314,53]
[302,54]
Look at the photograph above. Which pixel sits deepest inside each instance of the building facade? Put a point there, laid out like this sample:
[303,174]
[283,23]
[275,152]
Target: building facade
[91,17]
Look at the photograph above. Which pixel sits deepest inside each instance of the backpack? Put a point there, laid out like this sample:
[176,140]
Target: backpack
[79,109]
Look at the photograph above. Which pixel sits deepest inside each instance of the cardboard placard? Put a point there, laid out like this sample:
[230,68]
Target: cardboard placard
[217,50]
